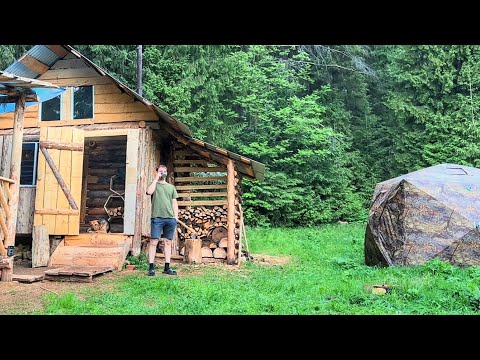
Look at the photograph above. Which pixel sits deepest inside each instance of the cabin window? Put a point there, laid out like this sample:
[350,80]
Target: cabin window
[51,109]
[82,102]
[28,169]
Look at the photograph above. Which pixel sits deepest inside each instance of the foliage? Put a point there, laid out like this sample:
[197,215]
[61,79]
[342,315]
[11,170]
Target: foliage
[328,121]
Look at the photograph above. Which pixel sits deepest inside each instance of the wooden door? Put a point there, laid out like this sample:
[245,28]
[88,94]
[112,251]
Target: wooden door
[59,180]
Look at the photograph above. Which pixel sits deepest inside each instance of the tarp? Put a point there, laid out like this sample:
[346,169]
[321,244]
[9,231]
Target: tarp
[44,94]
[426,214]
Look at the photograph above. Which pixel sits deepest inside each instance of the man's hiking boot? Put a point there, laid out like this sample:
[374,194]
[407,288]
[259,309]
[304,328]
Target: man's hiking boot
[151,272]
[169,272]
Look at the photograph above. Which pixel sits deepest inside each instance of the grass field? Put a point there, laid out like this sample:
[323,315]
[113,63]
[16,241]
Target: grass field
[324,274]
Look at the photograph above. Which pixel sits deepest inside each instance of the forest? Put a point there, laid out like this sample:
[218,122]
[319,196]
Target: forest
[328,121]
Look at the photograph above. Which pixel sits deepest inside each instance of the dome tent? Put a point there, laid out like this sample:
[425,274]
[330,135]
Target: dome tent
[426,214]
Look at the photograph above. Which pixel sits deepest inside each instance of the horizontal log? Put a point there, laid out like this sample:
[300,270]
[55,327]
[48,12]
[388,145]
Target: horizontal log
[189,161]
[199,169]
[200,187]
[61,146]
[200,178]
[205,194]
[96,211]
[10,181]
[202,203]
[56,211]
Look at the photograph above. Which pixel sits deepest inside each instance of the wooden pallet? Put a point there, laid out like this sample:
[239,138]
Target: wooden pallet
[76,273]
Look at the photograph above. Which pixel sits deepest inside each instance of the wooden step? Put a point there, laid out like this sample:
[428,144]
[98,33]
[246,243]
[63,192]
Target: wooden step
[92,250]
[97,240]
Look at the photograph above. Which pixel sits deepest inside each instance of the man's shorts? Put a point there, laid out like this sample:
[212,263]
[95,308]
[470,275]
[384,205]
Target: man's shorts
[165,225]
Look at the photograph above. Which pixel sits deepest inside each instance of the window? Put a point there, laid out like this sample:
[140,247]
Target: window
[82,102]
[28,170]
[51,109]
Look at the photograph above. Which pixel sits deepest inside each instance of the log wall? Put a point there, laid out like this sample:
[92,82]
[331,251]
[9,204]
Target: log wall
[106,158]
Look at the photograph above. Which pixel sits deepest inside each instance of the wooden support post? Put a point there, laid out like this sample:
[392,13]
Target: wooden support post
[40,246]
[15,164]
[230,213]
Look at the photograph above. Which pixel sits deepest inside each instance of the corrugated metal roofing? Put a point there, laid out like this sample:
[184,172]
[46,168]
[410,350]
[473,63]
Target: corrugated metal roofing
[19,69]
[43,54]
[38,52]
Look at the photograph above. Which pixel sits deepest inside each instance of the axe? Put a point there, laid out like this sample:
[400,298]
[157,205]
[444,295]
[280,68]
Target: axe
[194,233]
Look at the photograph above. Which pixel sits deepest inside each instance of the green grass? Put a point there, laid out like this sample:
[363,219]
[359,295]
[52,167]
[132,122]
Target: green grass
[325,275]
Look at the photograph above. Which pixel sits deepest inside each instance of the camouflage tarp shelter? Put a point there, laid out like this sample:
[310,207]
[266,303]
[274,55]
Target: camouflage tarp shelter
[426,214]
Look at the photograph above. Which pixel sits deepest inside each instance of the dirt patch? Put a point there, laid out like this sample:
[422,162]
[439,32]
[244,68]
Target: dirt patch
[24,298]
[263,259]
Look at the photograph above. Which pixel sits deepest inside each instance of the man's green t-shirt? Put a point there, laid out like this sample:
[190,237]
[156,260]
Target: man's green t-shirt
[162,200]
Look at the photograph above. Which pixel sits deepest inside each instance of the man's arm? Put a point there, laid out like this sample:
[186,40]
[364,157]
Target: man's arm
[151,187]
[175,208]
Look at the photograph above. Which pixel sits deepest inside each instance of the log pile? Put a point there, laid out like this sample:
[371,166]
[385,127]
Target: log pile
[210,225]
[115,212]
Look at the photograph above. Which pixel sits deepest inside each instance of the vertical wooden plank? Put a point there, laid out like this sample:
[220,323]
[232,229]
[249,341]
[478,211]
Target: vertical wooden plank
[66,105]
[65,168]
[131,181]
[230,213]
[6,156]
[40,246]
[2,157]
[51,185]
[140,194]
[76,181]
[41,177]
[83,203]
[26,210]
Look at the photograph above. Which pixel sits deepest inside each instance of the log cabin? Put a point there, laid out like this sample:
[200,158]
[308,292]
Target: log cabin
[91,152]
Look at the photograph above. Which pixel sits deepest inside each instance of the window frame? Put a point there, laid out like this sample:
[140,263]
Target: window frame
[72,103]
[61,110]
[35,164]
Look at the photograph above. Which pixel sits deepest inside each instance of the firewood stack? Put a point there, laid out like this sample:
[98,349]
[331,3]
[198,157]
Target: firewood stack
[210,225]
[115,211]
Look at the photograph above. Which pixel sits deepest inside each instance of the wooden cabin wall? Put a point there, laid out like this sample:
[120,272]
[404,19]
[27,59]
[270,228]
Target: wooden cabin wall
[26,205]
[110,103]
[105,159]
[149,157]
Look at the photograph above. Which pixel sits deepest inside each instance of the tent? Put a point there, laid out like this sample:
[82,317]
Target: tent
[426,214]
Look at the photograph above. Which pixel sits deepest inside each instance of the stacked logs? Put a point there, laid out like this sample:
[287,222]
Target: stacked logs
[210,225]
[115,212]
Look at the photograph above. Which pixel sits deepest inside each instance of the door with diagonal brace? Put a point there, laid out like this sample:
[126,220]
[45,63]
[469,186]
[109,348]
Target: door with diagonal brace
[59,180]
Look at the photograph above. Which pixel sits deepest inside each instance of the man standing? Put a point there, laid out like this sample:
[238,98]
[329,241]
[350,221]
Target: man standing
[164,218]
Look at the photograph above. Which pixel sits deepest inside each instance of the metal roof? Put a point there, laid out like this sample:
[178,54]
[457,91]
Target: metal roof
[38,52]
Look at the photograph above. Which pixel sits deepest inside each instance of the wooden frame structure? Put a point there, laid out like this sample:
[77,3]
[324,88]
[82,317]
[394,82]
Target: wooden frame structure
[18,90]
[127,137]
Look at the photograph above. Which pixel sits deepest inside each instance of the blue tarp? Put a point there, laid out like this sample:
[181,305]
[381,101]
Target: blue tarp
[44,94]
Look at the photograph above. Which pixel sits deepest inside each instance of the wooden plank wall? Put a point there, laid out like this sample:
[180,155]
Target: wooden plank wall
[133,153]
[27,194]
[207,187]
[111,104]
[152,159]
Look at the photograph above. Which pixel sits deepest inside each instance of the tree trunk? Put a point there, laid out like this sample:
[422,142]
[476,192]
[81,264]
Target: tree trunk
[193,251]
